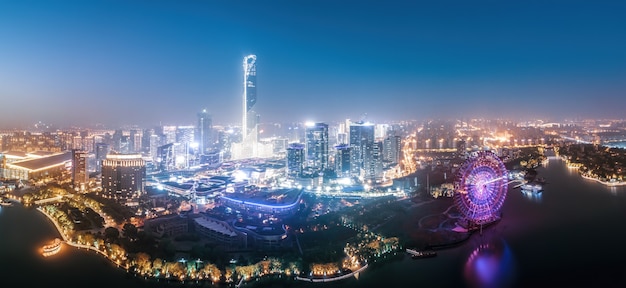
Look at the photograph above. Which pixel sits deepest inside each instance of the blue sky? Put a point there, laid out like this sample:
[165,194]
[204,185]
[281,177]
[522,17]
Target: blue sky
[145,62]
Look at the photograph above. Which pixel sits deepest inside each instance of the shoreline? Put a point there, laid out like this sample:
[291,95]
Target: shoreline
[66,240]
[605,183]
[331,279]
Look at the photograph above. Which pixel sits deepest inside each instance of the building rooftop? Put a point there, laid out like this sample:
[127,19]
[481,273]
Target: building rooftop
[279,197]
[15,154]
[215,225]
[40,154]
[44,162]
[266,230]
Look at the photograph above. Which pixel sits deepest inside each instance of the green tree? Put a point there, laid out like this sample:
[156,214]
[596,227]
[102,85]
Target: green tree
[142,260]
[111,233]
[129,231]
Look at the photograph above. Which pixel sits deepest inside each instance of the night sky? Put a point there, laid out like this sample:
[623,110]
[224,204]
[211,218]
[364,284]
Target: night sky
[145,62]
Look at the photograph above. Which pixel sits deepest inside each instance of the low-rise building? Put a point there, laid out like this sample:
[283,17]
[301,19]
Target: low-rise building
[32,168]
[220,232]
[170,226]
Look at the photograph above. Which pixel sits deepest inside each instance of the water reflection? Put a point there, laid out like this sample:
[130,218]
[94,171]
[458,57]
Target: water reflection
[491,264]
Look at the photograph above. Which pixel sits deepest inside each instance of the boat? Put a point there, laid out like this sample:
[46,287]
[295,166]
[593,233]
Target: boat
[6,202]
[535,188]
[421,254]
[53,248]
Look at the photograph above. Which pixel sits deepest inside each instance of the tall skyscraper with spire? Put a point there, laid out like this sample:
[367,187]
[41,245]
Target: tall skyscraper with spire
[249,124]
[249,98]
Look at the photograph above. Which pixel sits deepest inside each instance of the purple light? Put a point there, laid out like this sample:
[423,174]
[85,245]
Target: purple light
[266,205]
[481,187]
[490,265]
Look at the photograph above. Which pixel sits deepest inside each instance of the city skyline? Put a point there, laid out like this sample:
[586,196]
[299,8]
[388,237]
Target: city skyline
[120,63]
[139,147]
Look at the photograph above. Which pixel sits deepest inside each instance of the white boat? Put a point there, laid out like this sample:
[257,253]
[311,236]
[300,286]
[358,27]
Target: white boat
[421,254]
[532,188]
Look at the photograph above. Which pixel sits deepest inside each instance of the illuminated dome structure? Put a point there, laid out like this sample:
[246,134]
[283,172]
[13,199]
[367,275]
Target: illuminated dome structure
[480,188]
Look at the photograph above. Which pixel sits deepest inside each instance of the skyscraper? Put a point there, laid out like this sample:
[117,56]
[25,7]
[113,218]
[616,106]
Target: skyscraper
[249,125]
[134,141]
[80,176]
[295,159]
[392,147]
[317,145]
[166,157]
[362,144]
[342,160]
[102,149]
[204,132]
[117,140]
[373,161]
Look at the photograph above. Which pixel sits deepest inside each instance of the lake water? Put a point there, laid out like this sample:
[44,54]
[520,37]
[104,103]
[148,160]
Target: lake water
[574,235]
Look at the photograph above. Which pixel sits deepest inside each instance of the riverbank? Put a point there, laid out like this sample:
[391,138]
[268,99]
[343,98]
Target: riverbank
[605,183]
[69,242]
[577,166]
[333,278]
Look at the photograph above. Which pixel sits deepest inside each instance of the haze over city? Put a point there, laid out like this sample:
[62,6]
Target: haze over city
[150,62]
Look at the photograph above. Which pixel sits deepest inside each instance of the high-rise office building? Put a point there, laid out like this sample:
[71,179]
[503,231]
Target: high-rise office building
[204,132]
[134,145]
[295,159]
[392,146]
[185,134]
[225,142]
[166,157]
[169,134]
[373,161]
[123,176]
[361,144]
[80,175]
[184,145]
[145,140]
[102,149]
[117,140]
[342,160]
[155,142]
[317,145]
[124,144]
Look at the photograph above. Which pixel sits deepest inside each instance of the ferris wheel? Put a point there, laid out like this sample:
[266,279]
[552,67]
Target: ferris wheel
[481,187]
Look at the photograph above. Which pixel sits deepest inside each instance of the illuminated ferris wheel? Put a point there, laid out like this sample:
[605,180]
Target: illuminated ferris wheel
[480,187]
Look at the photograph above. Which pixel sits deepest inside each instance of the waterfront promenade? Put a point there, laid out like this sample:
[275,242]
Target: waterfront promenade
[69,242]
[606,183]
[570,165]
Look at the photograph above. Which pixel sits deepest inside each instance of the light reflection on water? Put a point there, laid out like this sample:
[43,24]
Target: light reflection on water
[490,264]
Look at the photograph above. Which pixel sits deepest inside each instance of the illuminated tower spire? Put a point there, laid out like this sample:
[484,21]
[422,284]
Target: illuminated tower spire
[249,125]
